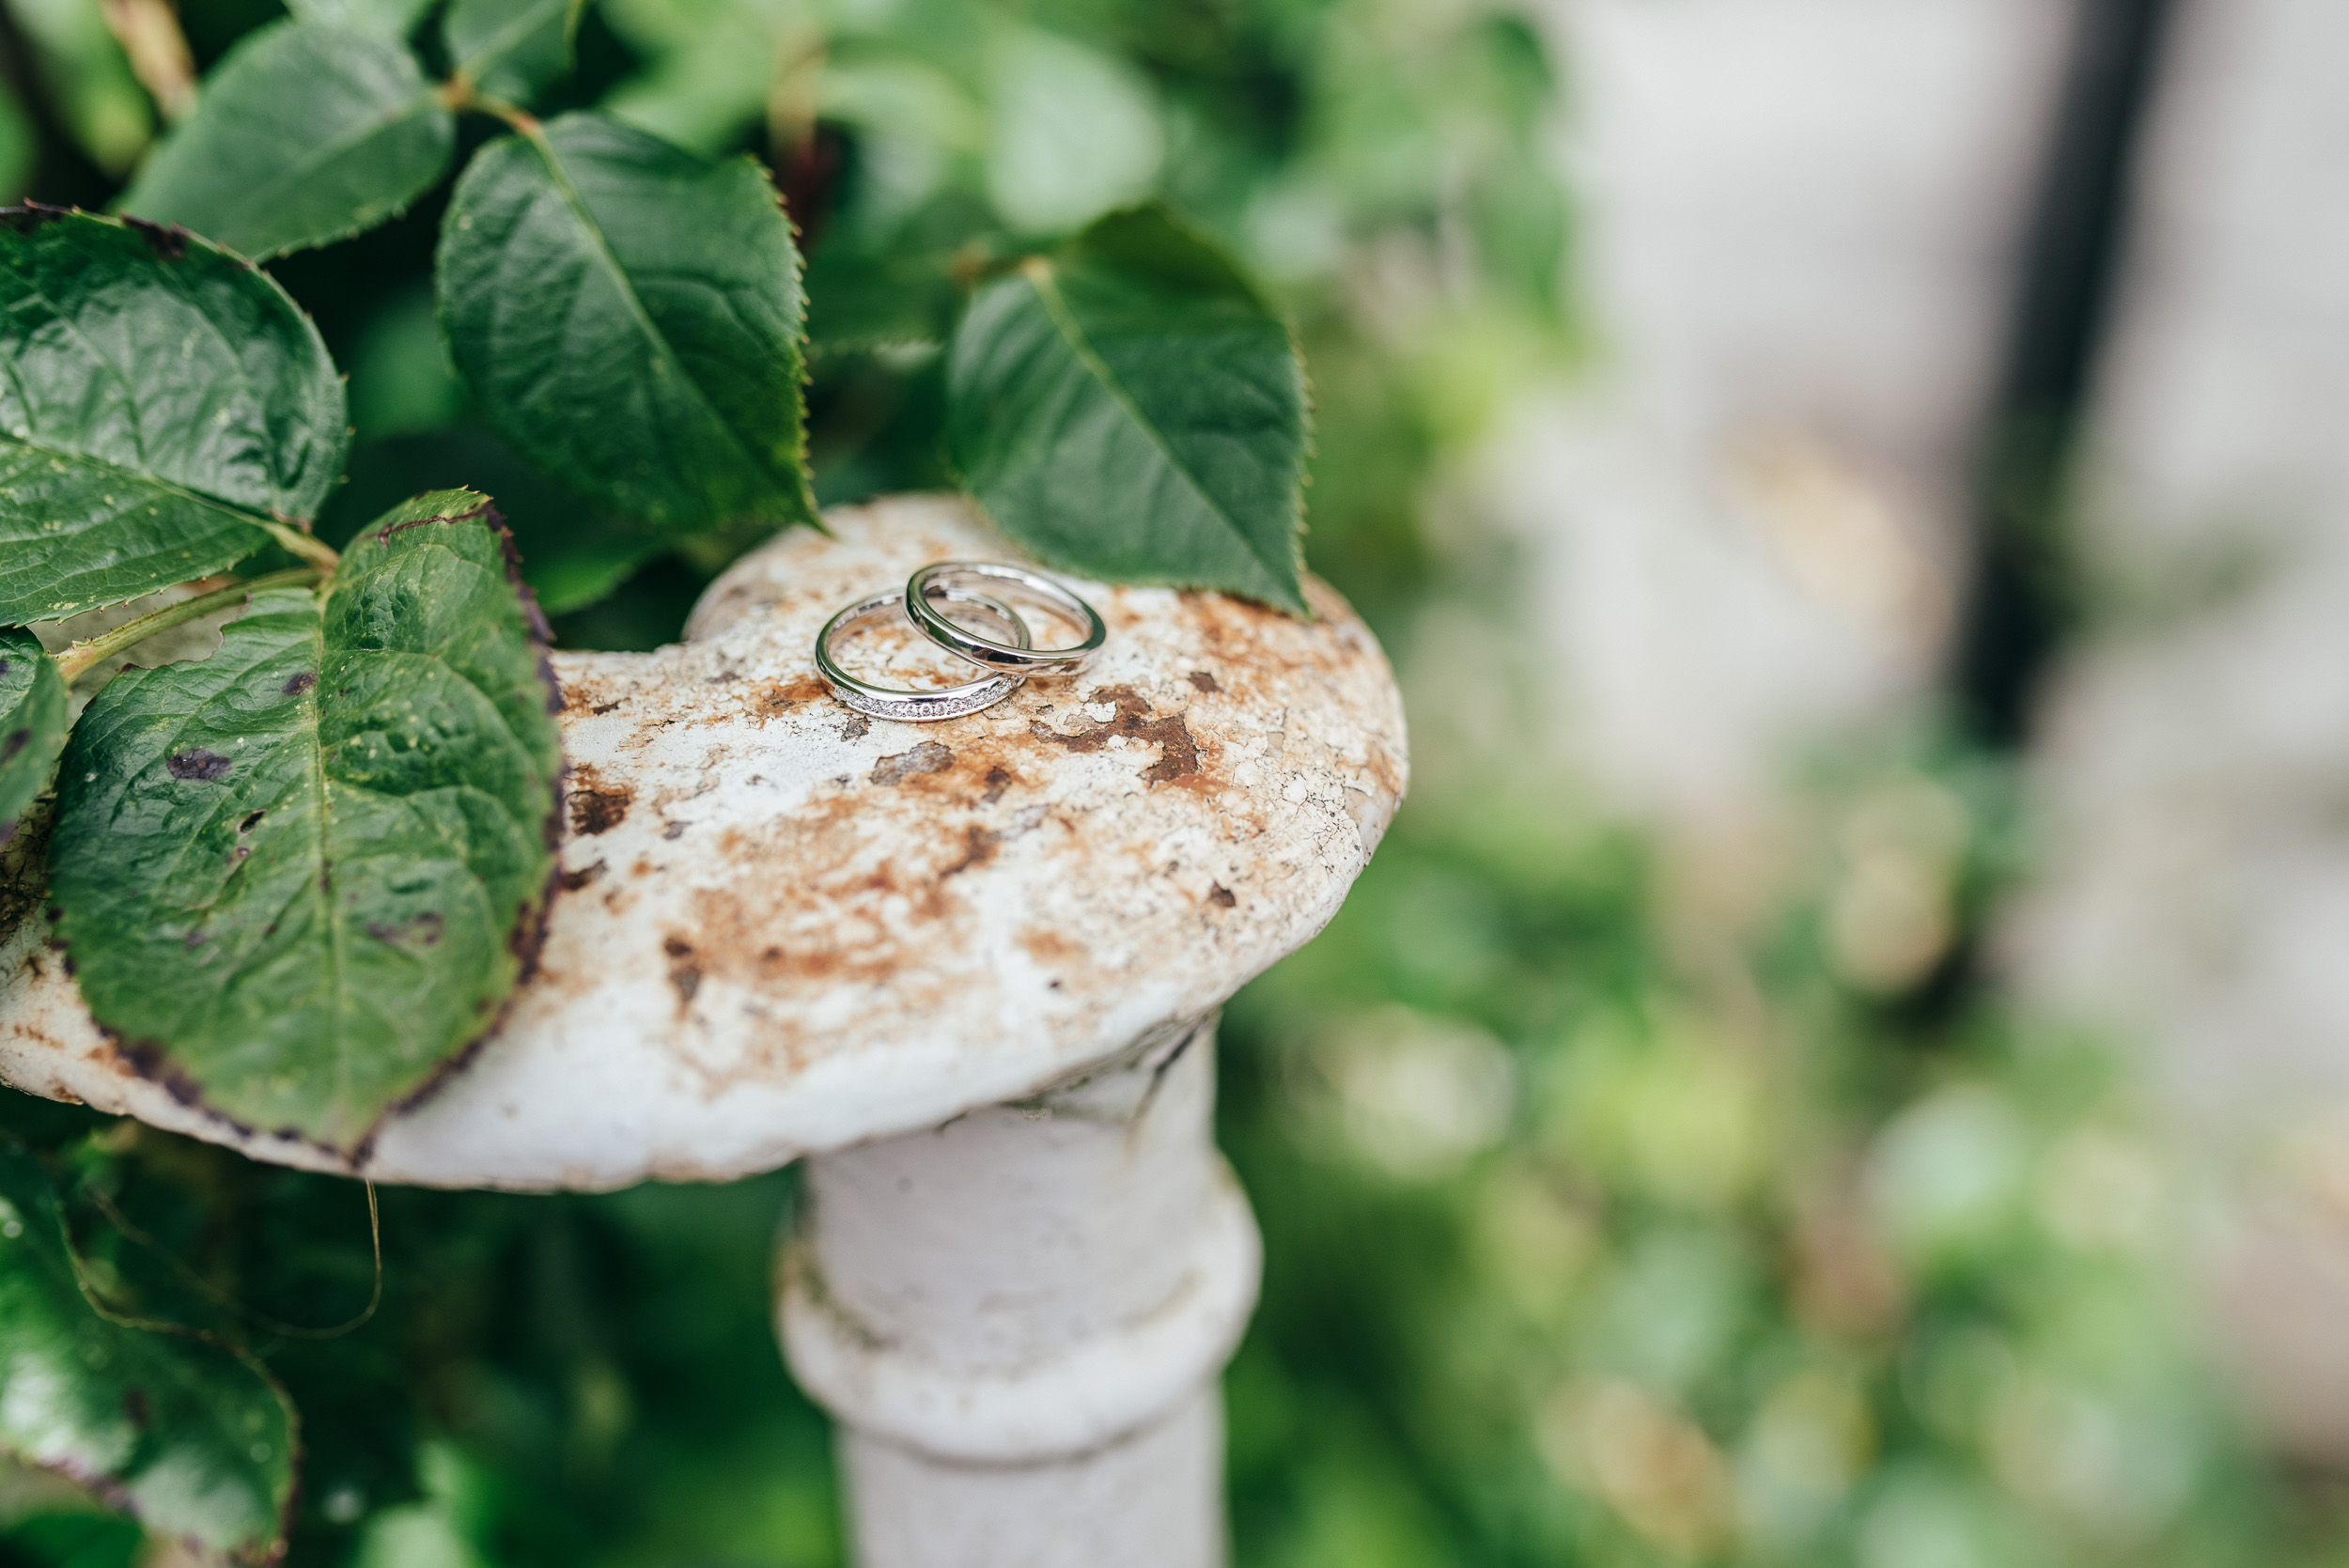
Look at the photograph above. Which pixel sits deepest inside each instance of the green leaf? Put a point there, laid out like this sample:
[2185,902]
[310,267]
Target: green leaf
[305,134]
[1133,410]
[511,48]
[33,722]
[630,316]
[391,19]
[193,1440]
[573,554]
[298,878]
[160,402]
[861,297]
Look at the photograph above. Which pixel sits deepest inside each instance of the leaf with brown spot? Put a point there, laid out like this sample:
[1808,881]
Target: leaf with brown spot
[296,901]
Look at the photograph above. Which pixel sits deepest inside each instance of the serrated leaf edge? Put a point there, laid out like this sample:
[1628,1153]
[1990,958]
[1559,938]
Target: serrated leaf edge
[153,1062]
[1040,275]
[804,495]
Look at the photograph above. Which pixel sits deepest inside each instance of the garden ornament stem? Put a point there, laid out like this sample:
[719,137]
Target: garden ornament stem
[971,967]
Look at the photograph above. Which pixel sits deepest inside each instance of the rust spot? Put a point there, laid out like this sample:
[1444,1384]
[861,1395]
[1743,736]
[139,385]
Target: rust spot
[300,681]
[857,728]
[599,710]
[574,880]
[205,767]
[684,973]
[779,695]
[997,781]
[1179,752]
[672,831]
[931,756]
[596,809]
[979,847]
[1222,895]
[1202,681]
[1049,947]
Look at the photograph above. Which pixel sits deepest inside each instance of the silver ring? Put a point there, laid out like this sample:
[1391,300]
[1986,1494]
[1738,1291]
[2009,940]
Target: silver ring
[941,579]
[910,703]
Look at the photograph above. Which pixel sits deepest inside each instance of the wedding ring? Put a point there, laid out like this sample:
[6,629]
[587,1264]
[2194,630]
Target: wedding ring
[913,704]
[939,580]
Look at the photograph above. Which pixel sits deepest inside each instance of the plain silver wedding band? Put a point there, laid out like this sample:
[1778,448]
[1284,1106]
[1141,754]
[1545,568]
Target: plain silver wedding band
[911,705]
[944,579]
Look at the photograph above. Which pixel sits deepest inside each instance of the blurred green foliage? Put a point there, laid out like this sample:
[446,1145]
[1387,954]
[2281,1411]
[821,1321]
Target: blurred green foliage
[1607,1223]
[1622,1205]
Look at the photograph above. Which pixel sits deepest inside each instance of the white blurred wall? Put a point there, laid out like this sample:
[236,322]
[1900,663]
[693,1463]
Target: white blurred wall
[1798,217]
[2192,763]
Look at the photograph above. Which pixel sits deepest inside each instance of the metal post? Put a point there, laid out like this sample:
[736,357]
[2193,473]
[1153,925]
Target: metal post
[1019,1317]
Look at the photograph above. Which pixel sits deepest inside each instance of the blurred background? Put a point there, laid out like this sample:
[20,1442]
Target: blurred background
[1843,1058]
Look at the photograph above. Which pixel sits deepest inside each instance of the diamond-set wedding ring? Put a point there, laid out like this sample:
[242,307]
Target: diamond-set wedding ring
[1008,658]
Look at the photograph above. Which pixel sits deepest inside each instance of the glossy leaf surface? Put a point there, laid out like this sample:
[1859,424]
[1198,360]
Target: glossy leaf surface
[306,133]
[33,720]
[630,317]
[300,877]
[1131,408]
[510,48]
[196,1442]
[159,399]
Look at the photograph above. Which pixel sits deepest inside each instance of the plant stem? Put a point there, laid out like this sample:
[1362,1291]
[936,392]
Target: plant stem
[315,551]
[458,95]
[81,657]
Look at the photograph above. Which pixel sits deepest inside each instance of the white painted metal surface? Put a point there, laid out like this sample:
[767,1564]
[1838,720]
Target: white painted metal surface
[1019,1319]
[787,928]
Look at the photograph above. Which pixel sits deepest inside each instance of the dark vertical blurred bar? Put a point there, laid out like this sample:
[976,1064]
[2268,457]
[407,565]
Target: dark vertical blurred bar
[2021,598]
[61,175]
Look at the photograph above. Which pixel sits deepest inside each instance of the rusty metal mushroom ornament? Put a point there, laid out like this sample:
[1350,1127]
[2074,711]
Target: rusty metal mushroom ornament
[789,930]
